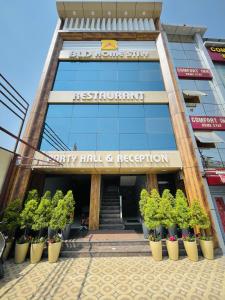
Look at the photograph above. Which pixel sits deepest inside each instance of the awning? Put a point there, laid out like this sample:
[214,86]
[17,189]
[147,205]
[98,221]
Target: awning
[215,176]
[193,93]
[208,137]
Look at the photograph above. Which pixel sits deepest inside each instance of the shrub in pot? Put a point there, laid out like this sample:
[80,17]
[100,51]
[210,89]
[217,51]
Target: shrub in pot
[54,202]
[152,221]
[70,205]
[172,247]
[32,195]
[26,222]
[167,216]
[58,222]
[190,246]
[182,212]
[200,219]
[10,222]
[142,202]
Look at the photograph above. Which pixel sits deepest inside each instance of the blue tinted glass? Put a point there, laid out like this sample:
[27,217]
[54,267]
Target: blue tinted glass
[133,142]
[107,142]
[83,142]
[112,127]
[132,125]
[108,76]
[108,125]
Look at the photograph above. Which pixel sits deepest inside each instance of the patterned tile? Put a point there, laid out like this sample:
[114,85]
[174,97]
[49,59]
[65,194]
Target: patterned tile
[116,278]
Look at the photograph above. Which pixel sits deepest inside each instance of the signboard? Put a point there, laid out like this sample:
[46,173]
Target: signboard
[215,176]
[96,96]
[96,54]
[208,123]
[109,45]
[110,160]
[194,73]
[217,54]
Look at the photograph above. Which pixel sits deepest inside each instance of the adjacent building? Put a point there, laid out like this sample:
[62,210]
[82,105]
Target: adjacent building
[125,103]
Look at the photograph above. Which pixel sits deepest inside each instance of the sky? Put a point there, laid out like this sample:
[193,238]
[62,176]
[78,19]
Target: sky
[26,28]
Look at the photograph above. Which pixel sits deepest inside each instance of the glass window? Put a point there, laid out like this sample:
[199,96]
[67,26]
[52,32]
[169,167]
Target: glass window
[211,157]
[108,76]
[112,127]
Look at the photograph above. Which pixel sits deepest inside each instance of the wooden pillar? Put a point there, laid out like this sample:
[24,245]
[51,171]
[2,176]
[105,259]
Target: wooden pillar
[94,202]
[152,182]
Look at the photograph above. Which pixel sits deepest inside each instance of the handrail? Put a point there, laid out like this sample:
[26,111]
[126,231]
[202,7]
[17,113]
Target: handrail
[121,208]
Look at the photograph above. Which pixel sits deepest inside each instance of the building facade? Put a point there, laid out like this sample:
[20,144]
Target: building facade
[114,108]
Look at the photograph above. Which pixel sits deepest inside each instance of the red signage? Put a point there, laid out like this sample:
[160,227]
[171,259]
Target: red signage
[194,73]
[221,208]
[207,123]
[217,54]
[215,177]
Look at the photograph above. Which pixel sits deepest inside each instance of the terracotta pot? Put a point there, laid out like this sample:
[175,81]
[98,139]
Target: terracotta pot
[21,252]
[36,251]
[173,249]
[7,249]
[191,250]
[156,248]
[207,249]
[53,251]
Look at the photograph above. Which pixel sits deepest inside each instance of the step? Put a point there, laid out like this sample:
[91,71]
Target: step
[110,204]
[108,207]
[109,216]
[118,226]
[110,221]
[110,210]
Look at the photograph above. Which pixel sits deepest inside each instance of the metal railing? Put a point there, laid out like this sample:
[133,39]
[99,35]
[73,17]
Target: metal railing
[121,208]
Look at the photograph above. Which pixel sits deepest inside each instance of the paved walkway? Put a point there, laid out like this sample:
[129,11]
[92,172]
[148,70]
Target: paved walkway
[126,278]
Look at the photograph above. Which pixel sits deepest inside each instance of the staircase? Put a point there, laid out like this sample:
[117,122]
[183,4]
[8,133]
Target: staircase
[110,210]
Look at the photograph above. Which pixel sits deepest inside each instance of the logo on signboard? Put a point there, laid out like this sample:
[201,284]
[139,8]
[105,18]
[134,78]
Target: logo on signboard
[109,45]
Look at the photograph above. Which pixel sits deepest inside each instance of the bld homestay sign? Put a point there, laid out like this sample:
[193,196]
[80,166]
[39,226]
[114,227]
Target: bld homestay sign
[207,123]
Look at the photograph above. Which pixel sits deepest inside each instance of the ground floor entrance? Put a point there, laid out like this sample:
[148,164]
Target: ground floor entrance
[105,201]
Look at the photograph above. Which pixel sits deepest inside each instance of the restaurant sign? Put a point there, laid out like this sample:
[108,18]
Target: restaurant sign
[207,123]
[194,73]
[217,54]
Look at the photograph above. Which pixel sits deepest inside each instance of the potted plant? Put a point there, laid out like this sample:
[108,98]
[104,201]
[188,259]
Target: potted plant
[172,247]
[9,224]
[167,216]
[70,205]
[54,202]
[190,246]
[26,222]
[152,221]
[200,219]
[58,222]
[32,195]
[142,202]
[182,212]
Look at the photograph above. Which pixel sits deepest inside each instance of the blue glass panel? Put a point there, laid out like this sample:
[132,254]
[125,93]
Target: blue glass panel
[58,110]
[108,125]
[108,110]
[159,141]
[158,125]
[85,110]
[129,110]
[107,142]
[156,110]
[83,142]
[132,125]
[84,125]
[133,142]
[109,76]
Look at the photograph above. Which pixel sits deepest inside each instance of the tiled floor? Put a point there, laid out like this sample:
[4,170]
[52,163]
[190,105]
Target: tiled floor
[121,278]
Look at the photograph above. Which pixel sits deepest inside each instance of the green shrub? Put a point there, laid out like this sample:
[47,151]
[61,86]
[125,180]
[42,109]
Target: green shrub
[59,217]
[166,210]
[143,200]
[70,205]
[57,196]
[27,215]
[32,195]
[199,217]
[11,218]
[182,210]
[43,213]
[151,211]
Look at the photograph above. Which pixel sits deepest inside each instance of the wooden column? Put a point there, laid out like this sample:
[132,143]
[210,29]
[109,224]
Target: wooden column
[152,182]
[94,202]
